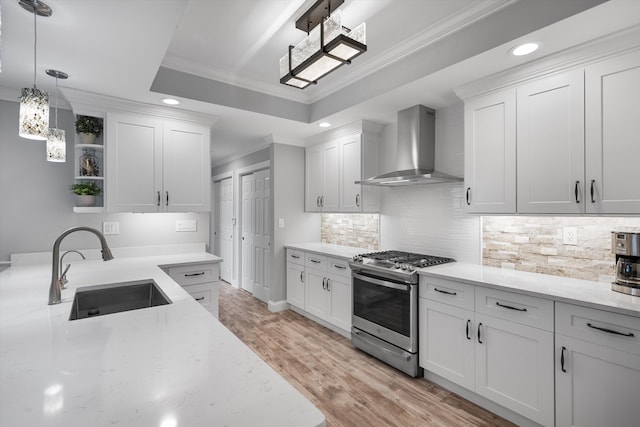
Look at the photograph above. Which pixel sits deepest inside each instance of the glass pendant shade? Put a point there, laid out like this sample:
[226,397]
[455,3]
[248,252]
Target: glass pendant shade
[322,52]
[34,114]
[56,146]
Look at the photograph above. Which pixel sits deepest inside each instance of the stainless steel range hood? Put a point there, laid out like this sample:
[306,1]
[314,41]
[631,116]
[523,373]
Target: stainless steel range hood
[415,152]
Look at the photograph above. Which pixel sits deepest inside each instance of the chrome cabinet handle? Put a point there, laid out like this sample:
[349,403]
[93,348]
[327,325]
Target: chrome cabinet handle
[194,274]
[167,197]
[358,200]
[199,299]
[611,331]
[318,201]
[315,261]
[324,283]
[593,184]
[328,287]
[295,256]
[322,201]
[562,359]
[479,326]
[301,276]
[576,191]
[158,198]
[468,329]
[510,307]
[468,191]
[341,267]
[445,292]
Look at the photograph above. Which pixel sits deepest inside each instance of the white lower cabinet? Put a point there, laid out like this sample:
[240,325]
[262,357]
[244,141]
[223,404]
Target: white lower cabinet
[597,367]
[498,344]
[201,281]
[320,286]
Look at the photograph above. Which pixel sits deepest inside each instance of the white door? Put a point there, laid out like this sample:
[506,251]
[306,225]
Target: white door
[262,235]
[314,178]
[490,153]
[340,290]
[514,367]
[330,199]
[248,213]
[551,145]
[318,299]
[186,167]
[216,246]
[350,172]
[226,228]
[612,149]
[295,285]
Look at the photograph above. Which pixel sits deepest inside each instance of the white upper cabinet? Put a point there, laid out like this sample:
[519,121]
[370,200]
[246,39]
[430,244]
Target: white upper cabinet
[550,145]
[334,165]
[157,165]
[612,142]
[490,153]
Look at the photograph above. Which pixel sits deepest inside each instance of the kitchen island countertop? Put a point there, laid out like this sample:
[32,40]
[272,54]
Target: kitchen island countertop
[173,365]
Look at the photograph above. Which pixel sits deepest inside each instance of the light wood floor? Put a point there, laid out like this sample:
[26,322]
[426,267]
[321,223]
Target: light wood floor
[348,386]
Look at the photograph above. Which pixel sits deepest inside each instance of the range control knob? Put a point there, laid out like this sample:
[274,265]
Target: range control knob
[398,265]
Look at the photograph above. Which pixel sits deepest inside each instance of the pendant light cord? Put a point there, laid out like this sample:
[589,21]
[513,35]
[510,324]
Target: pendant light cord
[57,101]
[35,41]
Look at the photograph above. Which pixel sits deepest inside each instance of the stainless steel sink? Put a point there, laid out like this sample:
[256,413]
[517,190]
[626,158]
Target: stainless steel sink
[91,301]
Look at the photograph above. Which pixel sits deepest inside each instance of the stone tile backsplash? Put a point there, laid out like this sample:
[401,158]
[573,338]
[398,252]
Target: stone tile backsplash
[535,243]
[356,230]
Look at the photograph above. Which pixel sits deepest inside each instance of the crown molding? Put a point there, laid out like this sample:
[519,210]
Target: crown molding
[240,154]
[94,104]
[615,44]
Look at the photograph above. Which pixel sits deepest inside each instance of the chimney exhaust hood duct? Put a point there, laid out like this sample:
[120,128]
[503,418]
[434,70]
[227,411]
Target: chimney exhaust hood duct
[415,152]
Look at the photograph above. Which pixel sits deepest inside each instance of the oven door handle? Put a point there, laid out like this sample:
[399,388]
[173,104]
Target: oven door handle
[385,283]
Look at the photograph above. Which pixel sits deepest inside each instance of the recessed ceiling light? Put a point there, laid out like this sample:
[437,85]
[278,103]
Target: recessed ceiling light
[525,48]
[171,101]
[324,124]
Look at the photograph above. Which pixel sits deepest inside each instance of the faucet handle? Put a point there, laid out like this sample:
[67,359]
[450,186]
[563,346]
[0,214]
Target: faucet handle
[63,277]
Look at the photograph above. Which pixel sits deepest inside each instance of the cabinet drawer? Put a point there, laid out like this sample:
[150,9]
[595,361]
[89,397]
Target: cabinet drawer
[194,274]
[295,256]
[339,267]
[448,292]
[523,309]
[601,327]
[318,262]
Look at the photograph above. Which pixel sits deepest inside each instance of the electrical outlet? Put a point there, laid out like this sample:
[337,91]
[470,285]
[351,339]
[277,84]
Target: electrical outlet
[280,222]
[112,227]
[186,225]
[569,235]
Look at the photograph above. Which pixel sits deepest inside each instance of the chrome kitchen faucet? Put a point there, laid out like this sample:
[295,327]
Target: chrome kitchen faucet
[55,290]
[63,275]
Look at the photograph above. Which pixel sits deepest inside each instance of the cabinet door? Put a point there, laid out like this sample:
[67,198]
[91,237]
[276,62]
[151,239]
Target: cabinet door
[330,198]
[351,171]
[295,285]
[186,168]
[595,385]
[447,342]
[340,290]
[514,367]
[490,153]
[134,163]
[314,177]
[318,299]
[612,148]
[550,145]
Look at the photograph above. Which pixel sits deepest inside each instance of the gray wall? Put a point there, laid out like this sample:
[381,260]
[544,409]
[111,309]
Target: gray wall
[36,204]
[287,169]
[242,162]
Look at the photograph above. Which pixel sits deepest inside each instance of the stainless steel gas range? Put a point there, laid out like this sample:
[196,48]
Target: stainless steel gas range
[385,306]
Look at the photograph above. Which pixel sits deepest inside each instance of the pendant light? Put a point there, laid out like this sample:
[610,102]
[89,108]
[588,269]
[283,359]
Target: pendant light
[56,142]
[34,103]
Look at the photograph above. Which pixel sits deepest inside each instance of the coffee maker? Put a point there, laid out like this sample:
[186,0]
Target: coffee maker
[625,244]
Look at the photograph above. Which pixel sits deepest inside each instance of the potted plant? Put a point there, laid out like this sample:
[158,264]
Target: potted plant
[86,193]
[89,128]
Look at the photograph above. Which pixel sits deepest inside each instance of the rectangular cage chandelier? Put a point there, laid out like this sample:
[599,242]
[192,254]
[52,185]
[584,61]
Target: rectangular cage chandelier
[328,45]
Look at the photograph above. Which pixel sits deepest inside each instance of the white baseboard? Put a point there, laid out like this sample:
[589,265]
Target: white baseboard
[276,306]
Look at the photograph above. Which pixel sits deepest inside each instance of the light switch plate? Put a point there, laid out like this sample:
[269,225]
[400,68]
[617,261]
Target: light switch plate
[280,222]
[186,225]
[110,227]
[570,235]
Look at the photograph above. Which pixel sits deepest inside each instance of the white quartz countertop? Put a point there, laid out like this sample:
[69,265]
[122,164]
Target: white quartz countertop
[168,366]
[574,291]
[338,251]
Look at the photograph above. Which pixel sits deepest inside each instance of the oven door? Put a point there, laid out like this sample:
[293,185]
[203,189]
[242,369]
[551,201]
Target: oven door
[386,309]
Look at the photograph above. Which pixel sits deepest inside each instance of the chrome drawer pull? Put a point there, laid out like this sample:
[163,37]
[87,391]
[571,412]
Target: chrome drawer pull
[194,274]
[445,292]
[510,307]
[468,327]
[611,331]
[295,256]
[199,299]
[562,359]
[341,267]
[314,261]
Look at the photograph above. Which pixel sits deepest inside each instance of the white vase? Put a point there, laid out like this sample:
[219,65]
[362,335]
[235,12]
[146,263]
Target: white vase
[87,138]
[85,201]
